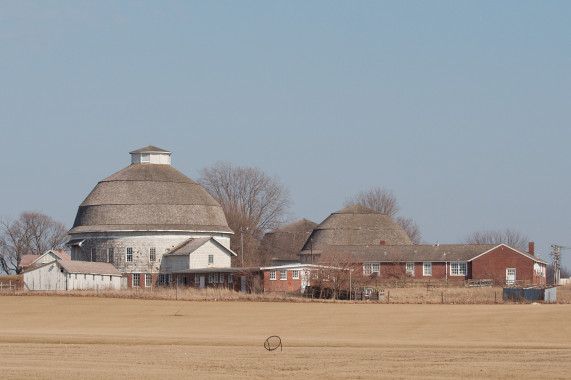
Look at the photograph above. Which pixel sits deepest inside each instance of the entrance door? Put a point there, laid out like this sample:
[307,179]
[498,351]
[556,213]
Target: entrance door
[243,279]
[510,275]
[202,282]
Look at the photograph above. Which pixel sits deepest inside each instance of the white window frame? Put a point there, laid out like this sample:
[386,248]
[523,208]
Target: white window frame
[410,268]
[295,274]
[152,254]
[370,268]
[161,279]
[272,274]
[210,278]
[221,278]
[210,259]
[148,280]
[136,280]
[129,257]
[283,275]
[109,255]
[427,268]
[216,278]
[230,278]
[458,269]
[145,158]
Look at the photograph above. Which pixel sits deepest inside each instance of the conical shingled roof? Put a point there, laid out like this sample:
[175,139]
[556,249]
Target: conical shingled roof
[356,225]
[285,242]
[149,197]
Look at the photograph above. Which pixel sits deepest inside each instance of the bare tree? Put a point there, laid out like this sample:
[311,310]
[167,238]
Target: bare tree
[31,234]
[252,201]
[377,198]
[384,201]
[508,236]
[411,228]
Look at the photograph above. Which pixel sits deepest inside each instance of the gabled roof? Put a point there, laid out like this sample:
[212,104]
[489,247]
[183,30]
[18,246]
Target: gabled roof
[412,253]
[27,260]
[285,242]
[517,250]
[190,245]
[150,149]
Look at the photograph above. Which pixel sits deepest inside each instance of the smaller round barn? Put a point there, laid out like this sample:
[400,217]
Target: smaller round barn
[353,225]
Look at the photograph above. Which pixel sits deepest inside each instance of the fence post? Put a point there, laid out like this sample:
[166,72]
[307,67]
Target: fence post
[442,295]
[388,296]
[495,296]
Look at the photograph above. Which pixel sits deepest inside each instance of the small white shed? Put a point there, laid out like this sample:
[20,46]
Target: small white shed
[73,275]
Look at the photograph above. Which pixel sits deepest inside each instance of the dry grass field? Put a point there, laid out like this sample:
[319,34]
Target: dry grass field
[93,338]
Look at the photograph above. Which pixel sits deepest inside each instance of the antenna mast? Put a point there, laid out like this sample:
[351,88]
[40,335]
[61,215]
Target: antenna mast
[556,253]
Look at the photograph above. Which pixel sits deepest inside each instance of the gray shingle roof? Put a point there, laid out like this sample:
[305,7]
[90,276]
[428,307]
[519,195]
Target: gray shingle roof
[150,149]
[410,253]
[356,225]
[190,245]
[88,267]
[148,197]
[285,242]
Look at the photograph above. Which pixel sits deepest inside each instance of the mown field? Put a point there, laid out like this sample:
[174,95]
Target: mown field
[88,337]
[92,338]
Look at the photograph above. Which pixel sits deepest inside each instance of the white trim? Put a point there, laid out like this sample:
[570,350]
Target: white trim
[528,256]
[424,272]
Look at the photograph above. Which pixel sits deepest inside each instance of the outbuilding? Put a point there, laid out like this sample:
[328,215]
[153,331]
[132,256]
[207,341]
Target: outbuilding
[72,275]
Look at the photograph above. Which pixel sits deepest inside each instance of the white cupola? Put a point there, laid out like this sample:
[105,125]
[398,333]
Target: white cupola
[151,155]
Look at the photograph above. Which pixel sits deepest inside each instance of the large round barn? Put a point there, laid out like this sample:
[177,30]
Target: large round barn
[146,210]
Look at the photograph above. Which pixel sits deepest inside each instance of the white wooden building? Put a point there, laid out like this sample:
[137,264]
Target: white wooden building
[72,275]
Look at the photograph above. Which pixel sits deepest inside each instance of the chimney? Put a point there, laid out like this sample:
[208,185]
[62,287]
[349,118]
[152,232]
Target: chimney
[383,242]
[531,249]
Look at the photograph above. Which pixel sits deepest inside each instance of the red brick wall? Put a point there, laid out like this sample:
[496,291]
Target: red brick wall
[277,285]
[494,263]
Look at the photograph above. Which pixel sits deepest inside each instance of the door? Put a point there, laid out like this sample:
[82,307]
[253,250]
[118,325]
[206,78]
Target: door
[243,279]
[202,282]
[510,275]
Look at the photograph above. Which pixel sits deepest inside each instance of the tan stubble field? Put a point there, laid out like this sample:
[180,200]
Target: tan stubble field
[95,338]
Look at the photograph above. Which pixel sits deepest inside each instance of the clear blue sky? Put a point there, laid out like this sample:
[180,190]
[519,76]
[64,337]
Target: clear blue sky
[463,109]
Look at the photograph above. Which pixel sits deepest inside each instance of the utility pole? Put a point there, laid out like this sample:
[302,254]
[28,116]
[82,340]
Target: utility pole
[242,245]
[556,253]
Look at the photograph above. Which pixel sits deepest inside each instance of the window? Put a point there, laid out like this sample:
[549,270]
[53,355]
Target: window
[221,278]
[216,278]
[196,278]
[230,278]
[295,274]
[370,268]
[410,269]
[145,157]
[272,274]
[152,254]
[283,275]
[210,278]
[136,280]
[161,279]
[110,278]
[170,278]
[427,269]
[93,254]
[109,255]
[148,280]
[367,291]
[458,269]
[314,275]
[210,259]
[129,255]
